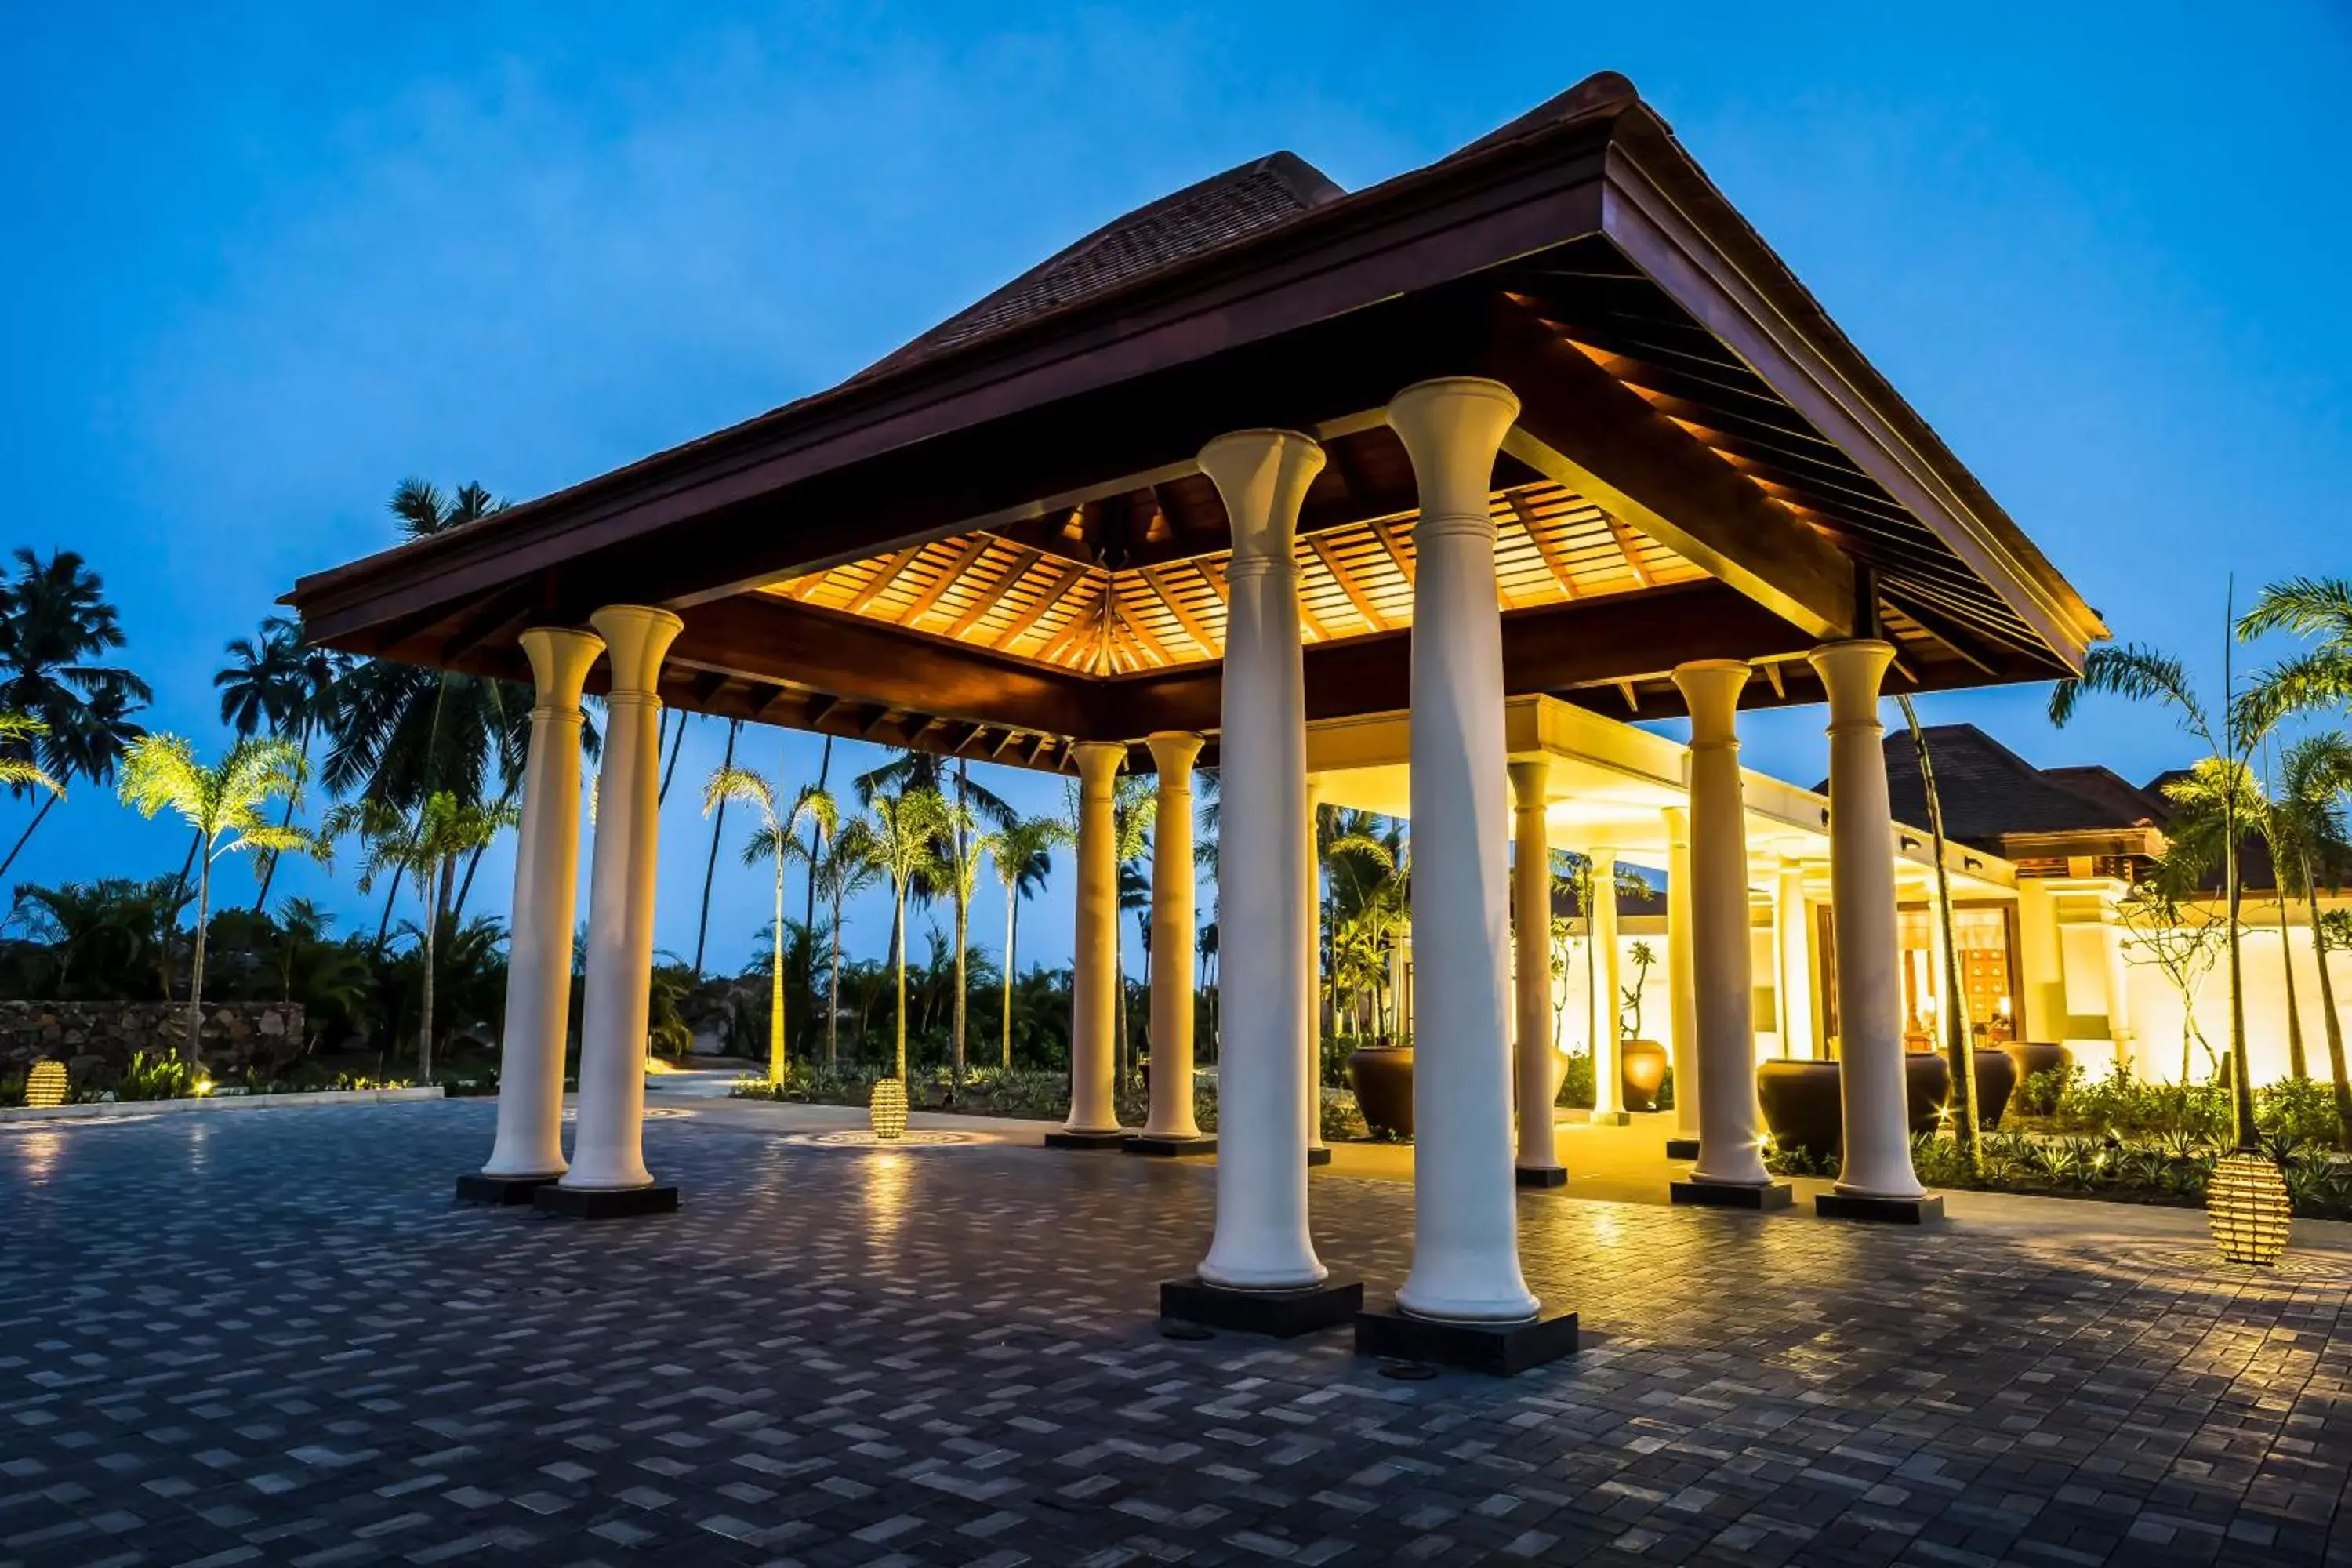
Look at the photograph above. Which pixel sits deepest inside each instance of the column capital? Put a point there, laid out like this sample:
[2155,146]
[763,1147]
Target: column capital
[1262,476]
[1099,763]
[1530,781]
[560,658]
[1173,751]
[1677,819]
[1711,688]
[1851,671]
[1452,427]
[636,637]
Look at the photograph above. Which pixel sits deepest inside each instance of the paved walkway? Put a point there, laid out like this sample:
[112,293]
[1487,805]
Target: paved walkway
[271,1339]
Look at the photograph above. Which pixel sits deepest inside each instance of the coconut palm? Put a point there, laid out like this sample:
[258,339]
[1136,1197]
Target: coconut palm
[443,830]
[773,840]
[907,829]
[2311,840]
[2319,608]
[847,866]
[962,847]
[1023,856]
[714,807]
[55,620]
[223,804]
[2229,735]
[1957,1044]
[19,771]
[273,682]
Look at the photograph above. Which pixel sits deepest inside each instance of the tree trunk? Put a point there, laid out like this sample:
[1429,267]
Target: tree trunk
[776,986]
[900,923]
[710,866]
[384,926]
[824,769]
[1120,1066]
[669,772]
[962,932]
[1012,922]
[47,800]
[1970,1131]
[2333,1024]
[2242,1081]
[443,874]
[833,996]
[2297,1063]
[196,965]
[268,857]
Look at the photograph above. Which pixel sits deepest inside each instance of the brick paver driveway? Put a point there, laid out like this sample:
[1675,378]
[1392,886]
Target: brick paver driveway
[268,1338]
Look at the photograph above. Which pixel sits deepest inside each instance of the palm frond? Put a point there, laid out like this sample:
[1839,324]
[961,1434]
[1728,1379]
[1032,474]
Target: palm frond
[2307,606]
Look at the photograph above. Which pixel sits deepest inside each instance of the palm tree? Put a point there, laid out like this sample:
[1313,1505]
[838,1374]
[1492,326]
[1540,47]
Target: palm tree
[2143,673]
[444,829]
[718,824]
[2315,781]
[1957,1044]
[1023,856]
[403,733]
[961,848]
[54,619]
[907,829]
[18,772]
[847,866]
[273,681]
[223,805]
[774,839]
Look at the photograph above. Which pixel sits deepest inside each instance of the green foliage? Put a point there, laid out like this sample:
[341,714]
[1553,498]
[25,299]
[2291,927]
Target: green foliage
[1576,1084]
[156,1077]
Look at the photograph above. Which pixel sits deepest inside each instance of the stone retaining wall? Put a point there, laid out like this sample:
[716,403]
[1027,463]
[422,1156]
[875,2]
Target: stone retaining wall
[96,1039]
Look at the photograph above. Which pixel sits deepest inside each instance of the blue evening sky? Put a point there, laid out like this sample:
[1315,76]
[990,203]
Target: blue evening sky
[264,260]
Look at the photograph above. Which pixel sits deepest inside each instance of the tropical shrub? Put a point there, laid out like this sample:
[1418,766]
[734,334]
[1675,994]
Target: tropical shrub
[158,1076]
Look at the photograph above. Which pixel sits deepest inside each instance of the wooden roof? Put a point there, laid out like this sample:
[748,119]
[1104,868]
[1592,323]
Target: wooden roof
[996,540]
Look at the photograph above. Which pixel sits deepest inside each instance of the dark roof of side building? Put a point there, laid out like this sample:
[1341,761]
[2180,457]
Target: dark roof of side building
[1989,791]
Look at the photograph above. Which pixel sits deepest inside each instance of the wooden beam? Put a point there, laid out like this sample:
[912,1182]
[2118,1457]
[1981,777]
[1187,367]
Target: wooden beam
[1546,547]
[1083,618]
[886,573]
[1340,574]
[1579,426]
[1629,547]
[1184,617]
[1142,636]
[973,549]
[1047,597]
[1633,701]
[870,717]
[988,598]
[1386,533]
[1771,669]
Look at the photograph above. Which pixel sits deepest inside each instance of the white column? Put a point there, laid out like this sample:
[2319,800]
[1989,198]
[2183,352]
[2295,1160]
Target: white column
[1792,932]
[1862,892]
[608,1144]
[1311,949]
[1174,939]
[1682,979]
[1729,1147]
[1261,1241]
[1094,977]
[1465,1254]
[1539,1147]
[539,949]
[1600,932]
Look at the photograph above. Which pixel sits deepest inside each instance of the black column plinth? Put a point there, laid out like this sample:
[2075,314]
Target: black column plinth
[1317,1156]
[1928,1210]
[1156,1148]
[1609,1119]
[1730,1196]
[1682,1148]
[1499,1349]
[1539,1176]
[1062,1138]
[592,1202]
[1284,1314]
[501,1192]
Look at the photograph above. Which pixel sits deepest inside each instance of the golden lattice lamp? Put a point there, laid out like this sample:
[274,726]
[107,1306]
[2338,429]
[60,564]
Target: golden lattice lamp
[45,1085]
[2247,1205]
[887,1112]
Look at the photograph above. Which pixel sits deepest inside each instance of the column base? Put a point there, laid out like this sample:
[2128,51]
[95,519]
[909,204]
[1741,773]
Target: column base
[501,1192]
[1152,1145]
[1318,1155]
[1727,1195]
[605,1203]
[1283,1314]
[1609,1119]
[1063,1138]
[1539,1176]
[1927,1210]
[1682,1148]
[1498,1350]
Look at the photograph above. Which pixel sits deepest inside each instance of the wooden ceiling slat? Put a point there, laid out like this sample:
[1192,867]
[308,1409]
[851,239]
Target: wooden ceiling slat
[1048,596]
[1538,531]
[1137,630]
[985,600]
[1154,579]
[1386,534]
[949,575]
[1629,548]
[885,573]
[1083,618]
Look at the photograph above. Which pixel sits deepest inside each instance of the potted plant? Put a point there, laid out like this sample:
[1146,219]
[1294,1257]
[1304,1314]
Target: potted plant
[1641,1062]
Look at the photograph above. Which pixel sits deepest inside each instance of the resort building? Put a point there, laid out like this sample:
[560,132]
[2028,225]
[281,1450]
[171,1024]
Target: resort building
[1407,496]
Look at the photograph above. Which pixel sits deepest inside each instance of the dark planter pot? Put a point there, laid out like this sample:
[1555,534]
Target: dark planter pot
[1799,1101]
[1382,1079]
[1927,1085]
[2033,1056]
[1642,1070]
[1996,1081]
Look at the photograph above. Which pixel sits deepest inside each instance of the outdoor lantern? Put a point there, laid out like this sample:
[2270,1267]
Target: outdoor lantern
[2248,1206]
[45,1086]
[888,1111]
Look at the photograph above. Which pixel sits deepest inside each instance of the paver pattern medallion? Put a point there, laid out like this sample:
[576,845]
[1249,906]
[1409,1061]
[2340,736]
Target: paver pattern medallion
[271,1339]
